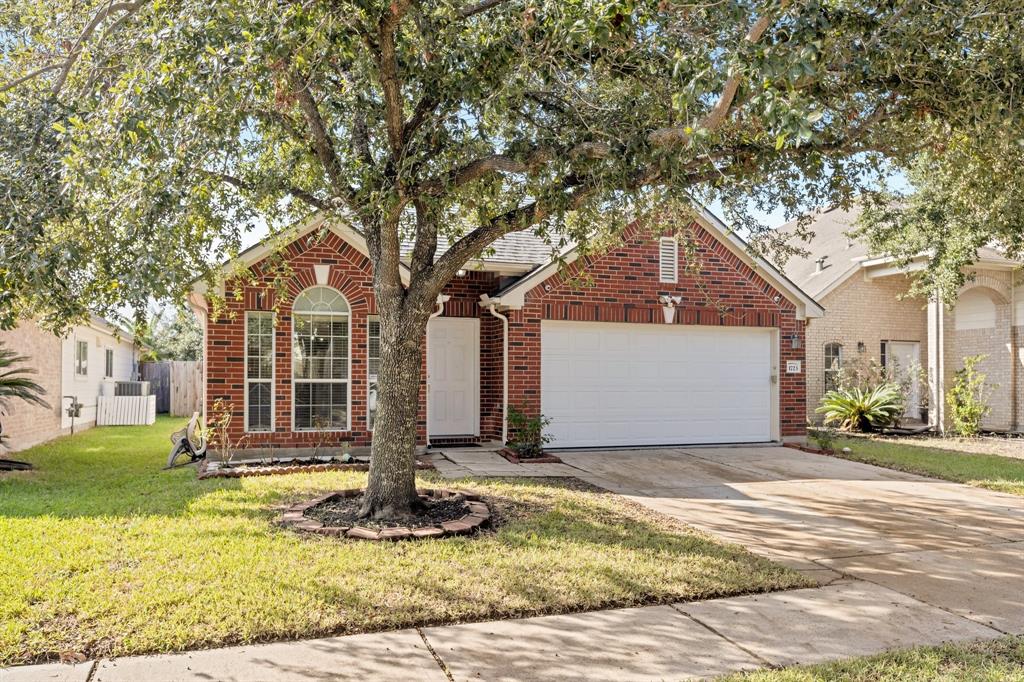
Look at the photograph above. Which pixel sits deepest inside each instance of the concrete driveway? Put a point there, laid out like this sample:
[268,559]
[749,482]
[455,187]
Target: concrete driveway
[957,548]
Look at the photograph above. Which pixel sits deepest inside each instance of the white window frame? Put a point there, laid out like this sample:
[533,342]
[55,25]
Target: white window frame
[371,378]
[273,369]
[81,359]
[108,363]
[675,260]
[348,381]
[828,369]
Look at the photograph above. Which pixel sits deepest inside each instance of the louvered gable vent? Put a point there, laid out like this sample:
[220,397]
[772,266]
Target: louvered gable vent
[668,253]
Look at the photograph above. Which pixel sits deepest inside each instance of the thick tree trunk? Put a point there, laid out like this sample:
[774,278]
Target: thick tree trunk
[391,490]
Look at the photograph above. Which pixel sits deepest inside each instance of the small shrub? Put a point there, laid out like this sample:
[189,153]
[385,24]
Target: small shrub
[857,409]
[967,398]
[824,437]
[528,438]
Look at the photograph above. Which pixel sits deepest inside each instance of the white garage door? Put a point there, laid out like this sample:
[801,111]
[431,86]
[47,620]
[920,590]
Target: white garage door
[608,384]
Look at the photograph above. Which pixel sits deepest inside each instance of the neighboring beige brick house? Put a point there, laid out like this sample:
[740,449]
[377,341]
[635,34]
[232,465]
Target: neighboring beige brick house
[76,365]
[869,315]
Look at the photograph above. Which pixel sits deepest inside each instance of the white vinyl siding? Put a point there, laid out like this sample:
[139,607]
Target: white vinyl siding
[320,361]
[613,384]
[259,371]
[668,260]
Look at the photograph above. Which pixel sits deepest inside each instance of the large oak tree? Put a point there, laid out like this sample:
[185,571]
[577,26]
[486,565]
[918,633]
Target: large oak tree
[141,137]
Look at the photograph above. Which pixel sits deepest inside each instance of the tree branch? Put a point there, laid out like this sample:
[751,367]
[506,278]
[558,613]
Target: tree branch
[425,248]
[500,163]
[126,8]
[323,145]
[663,137]
[297,192]
[387,62]
[482,6]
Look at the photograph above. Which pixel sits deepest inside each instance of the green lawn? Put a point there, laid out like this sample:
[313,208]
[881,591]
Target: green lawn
[1005,474]
[1000,660]
[103,553]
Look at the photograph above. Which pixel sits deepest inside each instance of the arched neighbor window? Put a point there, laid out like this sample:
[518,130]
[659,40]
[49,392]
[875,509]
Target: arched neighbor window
[833,363]
[320,360]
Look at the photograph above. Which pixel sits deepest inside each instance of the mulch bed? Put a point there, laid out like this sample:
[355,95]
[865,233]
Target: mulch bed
[297,466]
[448,512]
[511,456]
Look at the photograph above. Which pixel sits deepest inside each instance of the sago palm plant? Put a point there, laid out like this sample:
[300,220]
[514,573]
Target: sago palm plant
[16,382]
[857,409]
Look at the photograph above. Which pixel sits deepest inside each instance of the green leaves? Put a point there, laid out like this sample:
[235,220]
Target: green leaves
[181,124]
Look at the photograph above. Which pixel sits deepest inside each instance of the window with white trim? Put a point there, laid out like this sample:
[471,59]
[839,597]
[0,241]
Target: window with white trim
[108,368]
[373,367]
[668,260]
[320,360]
[82,358]
[259,371]
[833,363]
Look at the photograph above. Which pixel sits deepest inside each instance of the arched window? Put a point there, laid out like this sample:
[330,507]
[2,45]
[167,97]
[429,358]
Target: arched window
[975,309]
[320,360]
[833,363]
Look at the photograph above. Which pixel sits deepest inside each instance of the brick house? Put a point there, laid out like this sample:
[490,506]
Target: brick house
[871,316]
[76,365]
[626,347]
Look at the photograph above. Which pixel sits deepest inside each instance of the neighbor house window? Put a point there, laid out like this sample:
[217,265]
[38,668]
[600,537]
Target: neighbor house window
[668,260]
[81,358]
[833,363]
[108,366]
[259,371]
[373,367]
[320,360]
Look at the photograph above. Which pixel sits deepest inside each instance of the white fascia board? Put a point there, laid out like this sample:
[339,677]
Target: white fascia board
[514,298]
[258,252]
[806,306]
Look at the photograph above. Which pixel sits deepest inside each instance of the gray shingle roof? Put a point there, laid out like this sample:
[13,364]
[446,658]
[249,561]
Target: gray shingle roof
[841,253]
[519,247]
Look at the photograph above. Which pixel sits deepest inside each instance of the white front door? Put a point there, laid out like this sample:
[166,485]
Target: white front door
[453,376]
[606,384]
[904,358]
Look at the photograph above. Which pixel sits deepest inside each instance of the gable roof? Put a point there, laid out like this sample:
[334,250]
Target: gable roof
[514,295]
[844,255]
[524,249]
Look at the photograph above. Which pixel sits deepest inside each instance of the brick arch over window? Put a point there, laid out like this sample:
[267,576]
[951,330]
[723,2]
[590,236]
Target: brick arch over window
[997,288]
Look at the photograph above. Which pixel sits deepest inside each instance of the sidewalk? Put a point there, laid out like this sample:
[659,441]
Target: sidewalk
[677,641]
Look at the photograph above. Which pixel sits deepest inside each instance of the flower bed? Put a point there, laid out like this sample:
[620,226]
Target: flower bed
[297,466]
[511,456]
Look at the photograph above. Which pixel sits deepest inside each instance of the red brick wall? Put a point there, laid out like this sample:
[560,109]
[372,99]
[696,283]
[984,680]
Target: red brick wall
[624,286]
[351,275]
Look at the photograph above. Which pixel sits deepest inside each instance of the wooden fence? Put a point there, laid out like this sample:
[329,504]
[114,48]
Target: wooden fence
[177,384]
[158,374]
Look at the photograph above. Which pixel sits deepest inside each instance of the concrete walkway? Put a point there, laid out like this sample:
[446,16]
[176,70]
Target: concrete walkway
[901,561]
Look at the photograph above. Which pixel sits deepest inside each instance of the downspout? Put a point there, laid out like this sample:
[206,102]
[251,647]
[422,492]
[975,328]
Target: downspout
[492,307]
[441,300]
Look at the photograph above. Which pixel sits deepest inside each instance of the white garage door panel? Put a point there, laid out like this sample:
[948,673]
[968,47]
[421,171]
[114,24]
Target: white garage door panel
[616,384]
